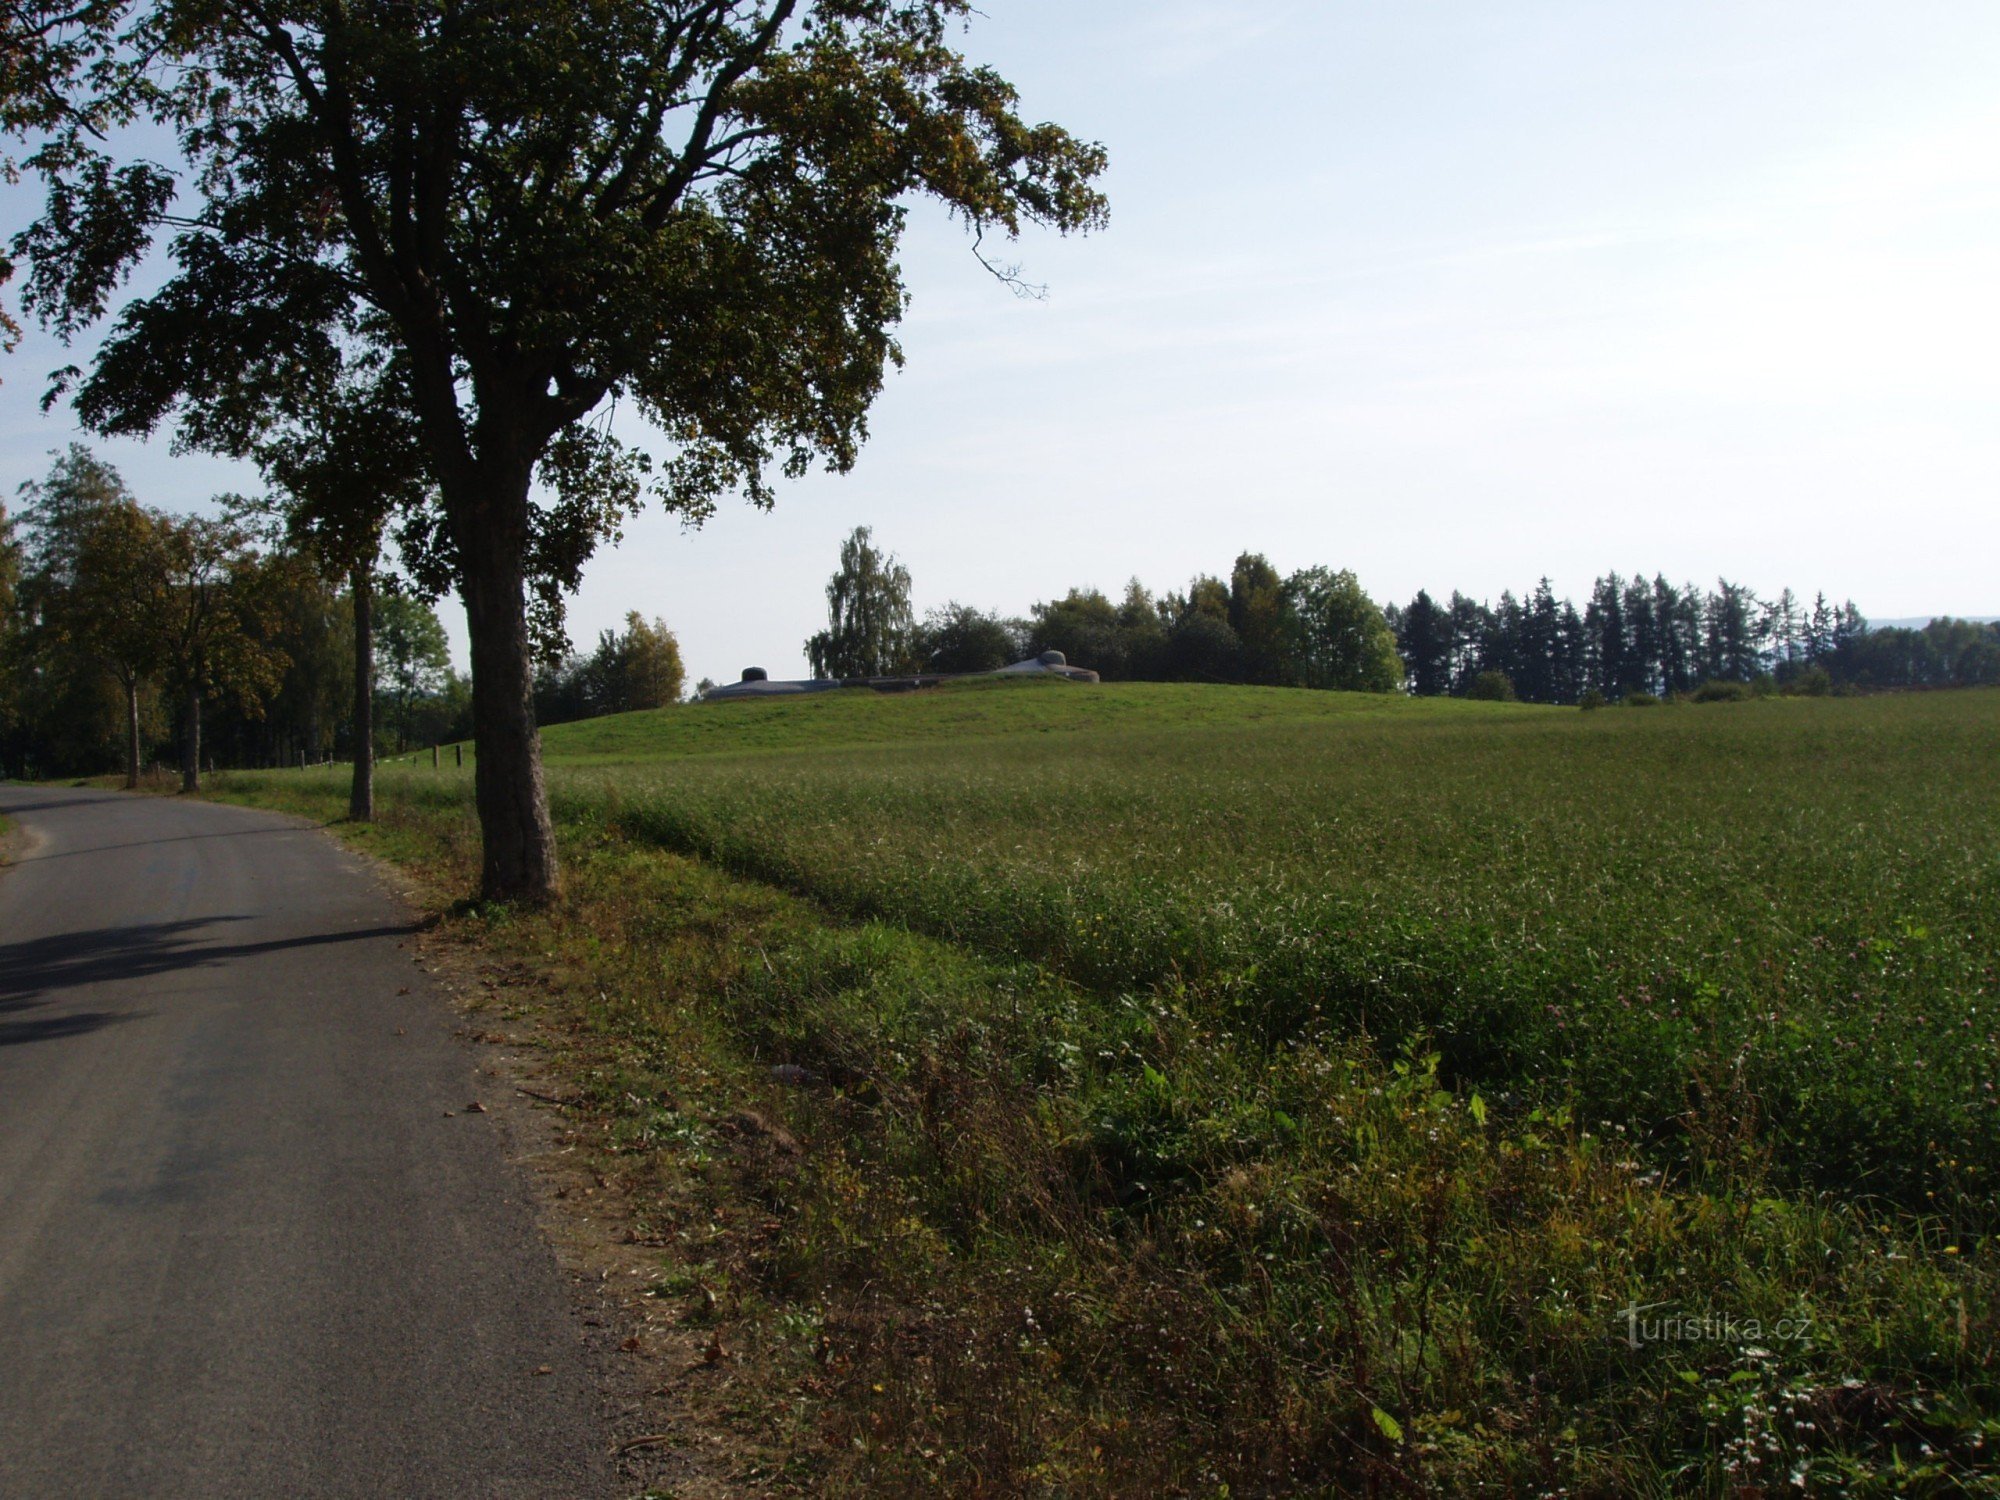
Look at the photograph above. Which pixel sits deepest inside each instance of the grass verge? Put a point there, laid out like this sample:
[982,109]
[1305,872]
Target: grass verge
[981,1232]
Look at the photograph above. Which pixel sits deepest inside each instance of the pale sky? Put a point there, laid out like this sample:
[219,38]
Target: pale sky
[1452,294]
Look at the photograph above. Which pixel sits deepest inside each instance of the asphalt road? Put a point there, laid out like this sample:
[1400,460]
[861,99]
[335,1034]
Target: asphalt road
[243,1249]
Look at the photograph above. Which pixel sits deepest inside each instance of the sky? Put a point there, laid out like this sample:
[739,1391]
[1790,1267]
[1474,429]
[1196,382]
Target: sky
[1454,293]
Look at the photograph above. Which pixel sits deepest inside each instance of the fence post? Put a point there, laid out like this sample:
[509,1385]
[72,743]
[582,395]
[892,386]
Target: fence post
[458,754]
[434,757]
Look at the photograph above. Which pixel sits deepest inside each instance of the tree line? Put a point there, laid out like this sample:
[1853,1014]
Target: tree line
[1313,628]
[1637,639]
[1317,628]
[131,636]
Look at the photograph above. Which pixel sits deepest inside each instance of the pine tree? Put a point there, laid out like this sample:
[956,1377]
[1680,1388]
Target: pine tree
[1425,639]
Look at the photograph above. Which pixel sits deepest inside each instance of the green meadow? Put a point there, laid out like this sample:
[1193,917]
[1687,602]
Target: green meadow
[1329,1075]
[1582,906]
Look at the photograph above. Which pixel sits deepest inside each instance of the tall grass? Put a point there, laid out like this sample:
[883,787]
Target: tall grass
[1796,901]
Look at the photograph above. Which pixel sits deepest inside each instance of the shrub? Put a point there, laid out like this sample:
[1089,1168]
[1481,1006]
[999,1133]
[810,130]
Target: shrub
[1591,699]
[1492,687]
[1723,692]
[1638,698]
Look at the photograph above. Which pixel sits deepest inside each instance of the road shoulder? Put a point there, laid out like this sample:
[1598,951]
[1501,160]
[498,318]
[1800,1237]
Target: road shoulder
[663,1351]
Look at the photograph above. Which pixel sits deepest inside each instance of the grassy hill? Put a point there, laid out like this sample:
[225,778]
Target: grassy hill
[967,712]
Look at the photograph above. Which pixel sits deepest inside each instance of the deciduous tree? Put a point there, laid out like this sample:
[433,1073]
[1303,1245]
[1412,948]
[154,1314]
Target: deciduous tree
[415,656]
[870,630]
[1340,638]
[96,592]
[959,638]
[211,642]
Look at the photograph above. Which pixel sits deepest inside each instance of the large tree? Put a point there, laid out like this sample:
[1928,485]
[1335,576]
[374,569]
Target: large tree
[692,206]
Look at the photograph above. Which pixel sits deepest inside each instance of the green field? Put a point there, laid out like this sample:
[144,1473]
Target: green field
[1366,1055]
[1588,905]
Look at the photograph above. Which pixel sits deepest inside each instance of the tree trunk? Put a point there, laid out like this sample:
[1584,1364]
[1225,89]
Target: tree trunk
[131,731]
[519,862]
[361,800]
[191,742]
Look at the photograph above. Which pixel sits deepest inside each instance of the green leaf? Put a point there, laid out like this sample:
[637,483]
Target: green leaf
[1391,1428]
[1477,1106]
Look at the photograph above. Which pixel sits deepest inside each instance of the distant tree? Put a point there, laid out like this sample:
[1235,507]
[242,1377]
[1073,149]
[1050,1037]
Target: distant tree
[119,603]
[445,714]
[1500,647]
[413,657]
[564,691]
[1784,629]
[1677,618]
[654,675]
[1819,631]
[1572,653]
[1339,638]
[1493,686]
[1085,627]
[1538,658]
[1471,624]
[1201,647]
[636,670]
[98,580]
[956,637]
[1208,595]
[1426,645]
[1643,645]
[1604,627]
[312,713]
[869,626]
[1142,626]
[1732,646]
[210,641]
[1257,604]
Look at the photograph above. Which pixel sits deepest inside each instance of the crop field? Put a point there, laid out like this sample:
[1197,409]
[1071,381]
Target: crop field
[1326,1073]
[1607,907]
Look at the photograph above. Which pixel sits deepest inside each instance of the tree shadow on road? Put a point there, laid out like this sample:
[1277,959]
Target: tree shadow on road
[178,838]
[35,971]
